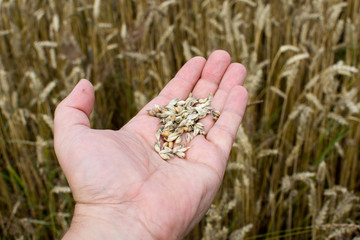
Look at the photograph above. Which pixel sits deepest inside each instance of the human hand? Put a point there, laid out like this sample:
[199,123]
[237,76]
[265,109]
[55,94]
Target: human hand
[122,188]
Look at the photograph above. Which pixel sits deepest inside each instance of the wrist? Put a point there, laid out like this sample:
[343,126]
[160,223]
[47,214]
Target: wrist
[93,221]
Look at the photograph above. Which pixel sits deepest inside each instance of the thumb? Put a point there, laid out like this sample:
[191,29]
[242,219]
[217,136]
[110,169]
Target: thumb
[72,114]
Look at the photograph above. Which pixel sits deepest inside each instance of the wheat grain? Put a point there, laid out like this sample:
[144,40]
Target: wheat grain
[164,6]
[134,55]
[216,25]
[342,230]
[267,152]
[235,166]
[96,9]
[237,22]
[305,177]
[278,92]
[339,119]
[321,217]
[53,58]
[293,155]
[46,44]
[140,99]
[112,47]
[61,217]
[61,189]
[339,29]
[248,2]
[15,208]
[47,90]
[48,120]
[312,82]
[344,206]
[333,14]
[178,118]
[4,84]
[312,199]
[253,82]
[239,234]
[15,100]
[321,172]
[55,24]
[34,221]
[16,40]
[243,140]
[186,50]
[166,36]
[113,34]
[35,83]
[40,143]
[313,99]
[297,58]
[39,14]
[105,25]
[123,32]
[286,184]
[339,149]
[295,113]
[340,68]
[226,17]
[285,48]
[41,53]
[304,32]
[196,50]
[5,32]
[347,100]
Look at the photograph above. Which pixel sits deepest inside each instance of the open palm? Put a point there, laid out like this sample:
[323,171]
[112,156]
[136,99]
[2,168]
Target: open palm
[117,177]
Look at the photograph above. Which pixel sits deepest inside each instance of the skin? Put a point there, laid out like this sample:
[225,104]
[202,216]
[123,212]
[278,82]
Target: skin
[122,188]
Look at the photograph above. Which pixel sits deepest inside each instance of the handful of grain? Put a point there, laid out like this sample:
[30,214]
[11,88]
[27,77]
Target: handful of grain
[179,119]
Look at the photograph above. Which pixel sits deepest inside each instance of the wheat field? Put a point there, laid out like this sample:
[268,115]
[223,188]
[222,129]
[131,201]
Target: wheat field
[294,168]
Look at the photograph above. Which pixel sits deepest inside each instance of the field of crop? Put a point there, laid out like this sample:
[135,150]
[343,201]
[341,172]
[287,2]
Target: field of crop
[294,169]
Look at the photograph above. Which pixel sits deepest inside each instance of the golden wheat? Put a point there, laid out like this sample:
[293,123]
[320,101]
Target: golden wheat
[293,171]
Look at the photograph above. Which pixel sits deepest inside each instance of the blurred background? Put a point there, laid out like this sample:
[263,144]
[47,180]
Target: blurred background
[294,169]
